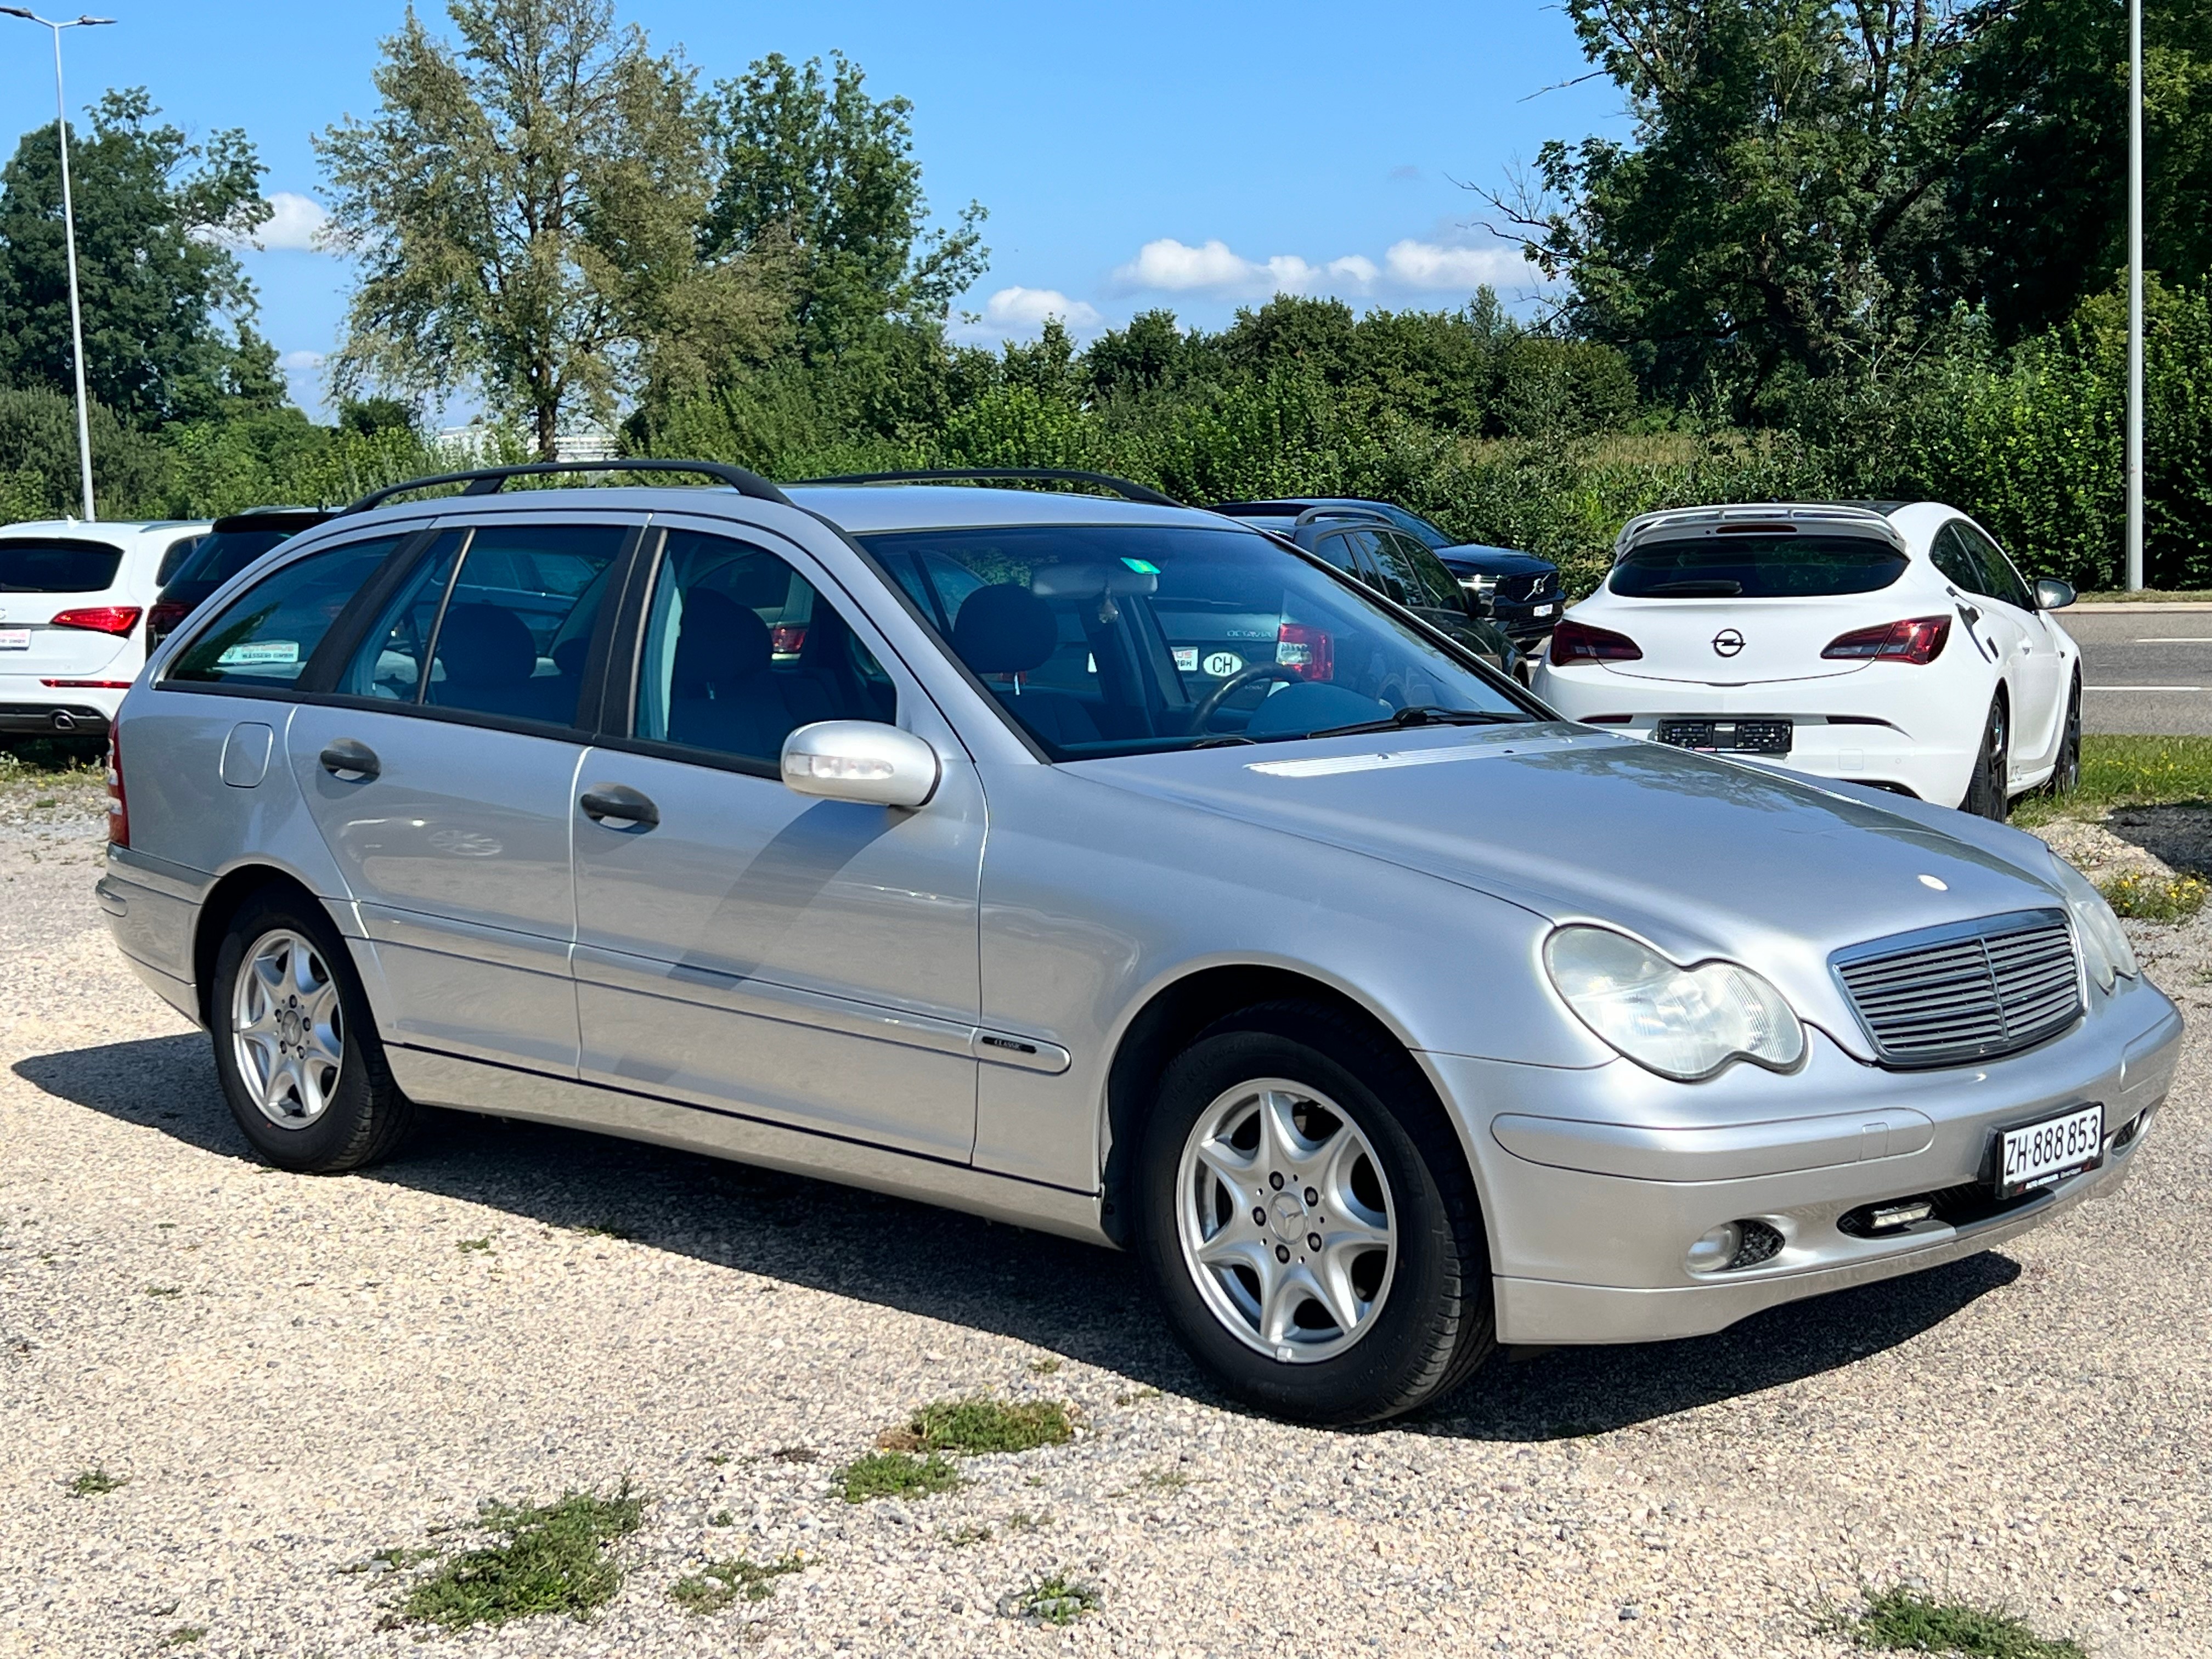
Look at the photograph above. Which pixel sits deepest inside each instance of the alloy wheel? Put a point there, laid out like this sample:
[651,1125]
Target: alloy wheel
[287,1028]
[1286,1222]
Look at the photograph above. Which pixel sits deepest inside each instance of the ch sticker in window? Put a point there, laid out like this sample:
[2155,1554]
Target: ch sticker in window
[259,653]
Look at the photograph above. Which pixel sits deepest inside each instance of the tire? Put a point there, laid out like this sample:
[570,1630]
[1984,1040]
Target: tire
[1359,1133]
[2066,772]
[1986,789]
[295,1044]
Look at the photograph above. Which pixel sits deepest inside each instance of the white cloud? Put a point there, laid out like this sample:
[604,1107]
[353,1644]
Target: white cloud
[1430,266]
[298,362]
[295,223]
[1215,268]
[1027,308]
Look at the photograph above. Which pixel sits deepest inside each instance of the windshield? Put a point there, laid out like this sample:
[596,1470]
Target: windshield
[57,564]
[223,553]
[1121,639]
[1757,567]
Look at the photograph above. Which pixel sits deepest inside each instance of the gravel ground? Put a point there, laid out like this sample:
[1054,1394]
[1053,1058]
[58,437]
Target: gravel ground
[288,1374]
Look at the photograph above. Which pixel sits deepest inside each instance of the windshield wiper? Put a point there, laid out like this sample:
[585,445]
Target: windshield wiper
[1424,713]
[1227,741]
[1710,587]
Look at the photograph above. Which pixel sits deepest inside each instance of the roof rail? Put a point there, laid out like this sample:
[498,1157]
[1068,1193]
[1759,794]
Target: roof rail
[488,481]
[1341,510]
[1121,487]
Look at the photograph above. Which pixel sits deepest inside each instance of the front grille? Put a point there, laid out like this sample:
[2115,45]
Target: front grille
[1966,992]
[1524,590]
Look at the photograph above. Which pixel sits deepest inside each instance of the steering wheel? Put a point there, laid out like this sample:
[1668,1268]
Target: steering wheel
[1210,704]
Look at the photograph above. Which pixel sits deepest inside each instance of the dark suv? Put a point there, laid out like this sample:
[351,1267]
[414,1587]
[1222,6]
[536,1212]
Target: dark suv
[234,543]
[1523,592]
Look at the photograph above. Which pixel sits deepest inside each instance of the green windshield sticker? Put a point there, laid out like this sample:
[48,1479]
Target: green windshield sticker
[1142,567]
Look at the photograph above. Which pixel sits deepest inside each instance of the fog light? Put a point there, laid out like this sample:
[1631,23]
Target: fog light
[1889,1216]
[1715,1250]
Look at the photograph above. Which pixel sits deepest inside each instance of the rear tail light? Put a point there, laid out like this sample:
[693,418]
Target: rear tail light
[786,639]
[87,685]
[1310,651]
[1574,641]
[1917,640]
[100,619]
[163,618]
[119,810]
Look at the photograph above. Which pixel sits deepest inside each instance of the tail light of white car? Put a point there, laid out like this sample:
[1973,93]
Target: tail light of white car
[1574,641]
[1916,639]
[1310,651]
[117,619]
[119,810]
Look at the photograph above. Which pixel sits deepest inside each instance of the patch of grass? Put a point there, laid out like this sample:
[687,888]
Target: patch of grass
[2155,898]
[718,1458]
[165,1290]
[1902,1617]
[554,1559]
[1136,1396]
[1169,1480]
[895,1474]
[1044,1367]
[718,1584]
[980,1425]
[1022,1521]
[2123,771]
[398,1558]
[2148,596]
[961,1537]
[184,1636]
[91,1483]
[1058,1600]
[483,1243]
[606,1230]
[722,1518]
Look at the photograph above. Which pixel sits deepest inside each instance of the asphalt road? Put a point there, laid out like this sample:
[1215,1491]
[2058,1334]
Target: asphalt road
[2144,671]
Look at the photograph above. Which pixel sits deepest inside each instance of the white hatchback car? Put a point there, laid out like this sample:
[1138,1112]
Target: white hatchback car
[1886,643]
[73,602]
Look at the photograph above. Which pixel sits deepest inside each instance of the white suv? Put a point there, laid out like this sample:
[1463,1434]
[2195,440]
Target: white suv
[73,603]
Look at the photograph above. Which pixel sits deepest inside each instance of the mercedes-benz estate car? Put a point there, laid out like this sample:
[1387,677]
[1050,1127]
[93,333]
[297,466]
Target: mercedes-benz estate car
[1384,1015]
[1889,643]
[73,601]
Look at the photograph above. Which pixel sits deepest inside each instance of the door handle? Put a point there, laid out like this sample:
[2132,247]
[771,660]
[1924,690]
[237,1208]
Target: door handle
[618,802]
[350,761]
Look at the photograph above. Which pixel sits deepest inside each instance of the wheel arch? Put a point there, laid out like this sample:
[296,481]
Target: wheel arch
[230,894]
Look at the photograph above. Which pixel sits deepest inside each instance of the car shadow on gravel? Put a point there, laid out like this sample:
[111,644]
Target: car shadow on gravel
[1072,1299]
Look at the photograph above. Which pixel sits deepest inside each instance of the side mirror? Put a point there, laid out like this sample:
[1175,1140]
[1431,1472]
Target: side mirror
[861,760]
[2051,594]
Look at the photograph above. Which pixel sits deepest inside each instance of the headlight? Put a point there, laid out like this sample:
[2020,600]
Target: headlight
[1683,1022]
[2104,946]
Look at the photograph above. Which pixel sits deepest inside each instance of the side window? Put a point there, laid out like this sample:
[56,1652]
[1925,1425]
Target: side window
[1959,560]
[173,559]
[1419,572]
[266,634]
[496,621]
[1364,545]
[2005,582]
[1334,549]
[740,651]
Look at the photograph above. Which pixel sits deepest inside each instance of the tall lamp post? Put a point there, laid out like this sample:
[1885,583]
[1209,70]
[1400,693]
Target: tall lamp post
[2135,296]
[69,237]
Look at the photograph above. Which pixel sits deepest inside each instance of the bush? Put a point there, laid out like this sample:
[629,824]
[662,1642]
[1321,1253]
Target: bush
[39,477]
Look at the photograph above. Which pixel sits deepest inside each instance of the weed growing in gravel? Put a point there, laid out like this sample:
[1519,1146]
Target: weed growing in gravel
[961,1537]
[184,1636]
[397,1559]
[606,1230]
[972,1426]
[1903,1618]
[554,1560]
[483,1243]
[718,1584]
[895,1474]
[1163,1479]
[796,1455]
[1044,1367]
[1136,1396]
[722,1518]
[165,1290]
[1022,1521]
[2151,898]
[1058,1600]
[91,1483]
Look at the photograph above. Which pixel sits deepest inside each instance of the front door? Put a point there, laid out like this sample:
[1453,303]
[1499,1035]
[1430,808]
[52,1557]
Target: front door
[746,948]
[443,775]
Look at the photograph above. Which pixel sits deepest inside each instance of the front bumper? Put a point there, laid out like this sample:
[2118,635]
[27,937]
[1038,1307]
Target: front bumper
[1595,1182]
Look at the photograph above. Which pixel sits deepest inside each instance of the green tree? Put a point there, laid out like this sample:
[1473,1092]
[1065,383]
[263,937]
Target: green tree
[812,164]
[38,458]
[523,206]
[168,310]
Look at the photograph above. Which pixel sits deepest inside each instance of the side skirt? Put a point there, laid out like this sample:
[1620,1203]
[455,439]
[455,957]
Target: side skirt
[474,1085]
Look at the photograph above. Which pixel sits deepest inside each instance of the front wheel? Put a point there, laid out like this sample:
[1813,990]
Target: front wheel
[1987,789]
[1307,1219]
[295,1045]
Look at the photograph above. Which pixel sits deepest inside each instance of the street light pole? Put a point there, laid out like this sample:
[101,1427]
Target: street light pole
[2135,296]
[69,237]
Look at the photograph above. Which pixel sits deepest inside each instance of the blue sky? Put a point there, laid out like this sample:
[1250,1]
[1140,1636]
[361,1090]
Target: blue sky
[1190,156]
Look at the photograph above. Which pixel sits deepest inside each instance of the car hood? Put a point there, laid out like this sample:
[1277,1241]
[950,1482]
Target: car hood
[1494,561]
[1702,857]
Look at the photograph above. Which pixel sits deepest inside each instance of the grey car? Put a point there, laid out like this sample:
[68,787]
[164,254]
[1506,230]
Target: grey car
[875,833]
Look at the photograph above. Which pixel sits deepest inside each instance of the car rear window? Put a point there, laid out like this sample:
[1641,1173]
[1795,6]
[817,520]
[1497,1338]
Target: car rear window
[1757,567]
[222,553]
[38,564]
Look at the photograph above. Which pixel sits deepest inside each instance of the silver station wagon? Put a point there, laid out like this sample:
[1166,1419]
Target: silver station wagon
[879,831]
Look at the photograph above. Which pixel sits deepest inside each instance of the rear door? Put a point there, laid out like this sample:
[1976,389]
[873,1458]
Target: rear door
[440,769]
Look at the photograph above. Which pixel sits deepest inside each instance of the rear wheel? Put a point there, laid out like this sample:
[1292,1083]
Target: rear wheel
[1987,793]
[294,1044]
[2066,772]
[1308,1221]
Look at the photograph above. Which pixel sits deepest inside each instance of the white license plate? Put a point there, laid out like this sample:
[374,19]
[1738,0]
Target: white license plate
[1543,610]
[2043,1154]
[14,638]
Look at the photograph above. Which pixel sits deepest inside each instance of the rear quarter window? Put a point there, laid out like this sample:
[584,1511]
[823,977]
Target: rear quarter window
[1757,567]
[266,634]
[34,564]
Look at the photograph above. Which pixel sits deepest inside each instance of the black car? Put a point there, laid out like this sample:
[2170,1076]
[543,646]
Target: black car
[233,545]
[1364,544]
[1522,591]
